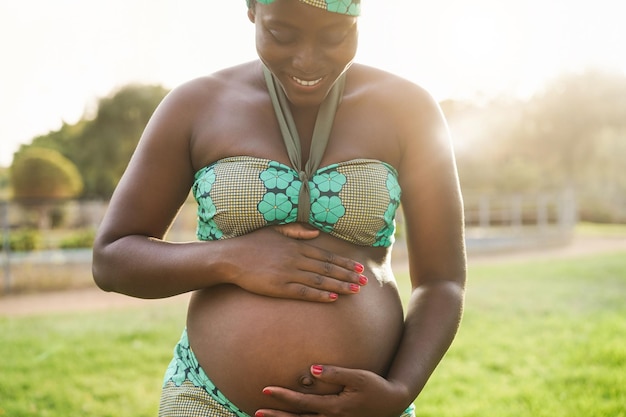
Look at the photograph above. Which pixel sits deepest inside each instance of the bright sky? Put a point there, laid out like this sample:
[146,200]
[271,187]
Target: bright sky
[58,57]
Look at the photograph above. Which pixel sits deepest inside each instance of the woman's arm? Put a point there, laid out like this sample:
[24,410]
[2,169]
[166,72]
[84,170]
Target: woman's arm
[434,224]
[130,255]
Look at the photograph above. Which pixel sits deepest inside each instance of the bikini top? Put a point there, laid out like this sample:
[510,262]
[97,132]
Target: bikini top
[354,200]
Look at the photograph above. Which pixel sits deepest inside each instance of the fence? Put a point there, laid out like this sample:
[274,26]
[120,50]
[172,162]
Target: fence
[500,222]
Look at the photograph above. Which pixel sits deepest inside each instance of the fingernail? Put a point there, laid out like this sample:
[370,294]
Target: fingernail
[354,288]
[333,296]
[259,414]
[362,280]
[358,268]
[317,370]
[267,391]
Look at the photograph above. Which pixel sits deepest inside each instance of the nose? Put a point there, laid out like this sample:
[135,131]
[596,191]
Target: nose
[307,58]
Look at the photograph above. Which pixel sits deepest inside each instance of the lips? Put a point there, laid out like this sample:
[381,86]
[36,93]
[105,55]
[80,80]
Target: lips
[306,83]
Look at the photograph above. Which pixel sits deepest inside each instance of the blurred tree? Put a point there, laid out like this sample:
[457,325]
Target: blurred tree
[41,173]
[577,127]
[4,183]
[570,135]
[102,145]
[106,144]
[564,121]
[41,176]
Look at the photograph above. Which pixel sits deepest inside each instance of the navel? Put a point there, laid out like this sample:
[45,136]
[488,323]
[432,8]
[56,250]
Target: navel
[306,381]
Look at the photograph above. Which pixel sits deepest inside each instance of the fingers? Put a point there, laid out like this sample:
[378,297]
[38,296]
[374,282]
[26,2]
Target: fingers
[297,269]
[353,382]
[329,260]
[330,264]
[326,285]
[334,282]
[297,231]
[307,404]
[349,378]
[324,276]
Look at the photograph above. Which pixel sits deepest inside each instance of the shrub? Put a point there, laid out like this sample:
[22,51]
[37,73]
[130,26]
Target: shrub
[24,240]
[81,239]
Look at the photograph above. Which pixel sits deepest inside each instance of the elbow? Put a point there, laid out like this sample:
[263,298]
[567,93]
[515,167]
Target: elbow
[101,271]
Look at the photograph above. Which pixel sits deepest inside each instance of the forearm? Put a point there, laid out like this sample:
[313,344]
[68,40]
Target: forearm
[432,320]
[144,267]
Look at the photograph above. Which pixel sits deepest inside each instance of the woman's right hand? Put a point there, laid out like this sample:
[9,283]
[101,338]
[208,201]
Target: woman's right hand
[278,262]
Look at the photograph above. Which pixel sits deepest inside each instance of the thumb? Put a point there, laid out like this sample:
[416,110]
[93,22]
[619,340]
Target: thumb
[336,375]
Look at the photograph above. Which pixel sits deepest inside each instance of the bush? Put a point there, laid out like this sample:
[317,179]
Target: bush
[24,240]
[81,239]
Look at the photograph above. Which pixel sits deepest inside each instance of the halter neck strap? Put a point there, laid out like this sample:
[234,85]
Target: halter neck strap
[289,131]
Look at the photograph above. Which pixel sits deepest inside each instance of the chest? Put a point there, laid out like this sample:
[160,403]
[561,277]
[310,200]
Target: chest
[360,130]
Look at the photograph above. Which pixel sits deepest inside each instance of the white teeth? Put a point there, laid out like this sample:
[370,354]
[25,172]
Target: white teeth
[306,83]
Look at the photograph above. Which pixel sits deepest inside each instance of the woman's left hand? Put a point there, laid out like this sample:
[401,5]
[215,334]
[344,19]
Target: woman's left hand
[364,394]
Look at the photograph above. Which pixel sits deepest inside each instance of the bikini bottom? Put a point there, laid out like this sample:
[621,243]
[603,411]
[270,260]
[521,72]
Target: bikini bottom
[188,391]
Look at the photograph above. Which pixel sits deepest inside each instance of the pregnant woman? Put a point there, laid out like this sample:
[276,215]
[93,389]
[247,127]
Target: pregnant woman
[298,162]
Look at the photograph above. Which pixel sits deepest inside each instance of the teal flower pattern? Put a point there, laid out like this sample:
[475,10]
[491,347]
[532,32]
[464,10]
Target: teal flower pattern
[326,211]
[394,188]
[280,202]
[203,186]
[273,178]
[332,181]
[384,237]
[185,367]
[354,200]
[207,229]
[349,7]
[326,204]
[276,208]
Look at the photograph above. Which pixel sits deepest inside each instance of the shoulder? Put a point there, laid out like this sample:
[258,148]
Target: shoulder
[408,107]
[405,103]
[386,86]
[233,82]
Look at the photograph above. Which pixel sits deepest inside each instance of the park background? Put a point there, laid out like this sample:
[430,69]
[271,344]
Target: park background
[535,96]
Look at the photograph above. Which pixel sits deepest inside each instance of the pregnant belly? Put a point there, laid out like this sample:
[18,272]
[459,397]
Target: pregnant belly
[245,342]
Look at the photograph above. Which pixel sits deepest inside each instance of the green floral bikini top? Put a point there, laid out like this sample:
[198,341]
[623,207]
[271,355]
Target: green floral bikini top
[354,200]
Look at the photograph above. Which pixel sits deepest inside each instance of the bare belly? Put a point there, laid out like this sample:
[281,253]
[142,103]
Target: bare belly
[245,342]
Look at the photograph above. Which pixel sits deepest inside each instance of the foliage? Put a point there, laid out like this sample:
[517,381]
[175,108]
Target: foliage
[4,183]
[41,173]
[102,146]
[24,240]
[571,135]
[80,239]
[107,143]
[538,339]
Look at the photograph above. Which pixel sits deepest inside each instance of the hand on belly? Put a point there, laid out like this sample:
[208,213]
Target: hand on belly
[246,342]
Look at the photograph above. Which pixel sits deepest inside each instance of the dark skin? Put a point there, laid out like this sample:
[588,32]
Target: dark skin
[381,117]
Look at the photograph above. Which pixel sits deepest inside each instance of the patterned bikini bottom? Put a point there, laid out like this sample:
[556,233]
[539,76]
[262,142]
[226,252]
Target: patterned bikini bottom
[188,391]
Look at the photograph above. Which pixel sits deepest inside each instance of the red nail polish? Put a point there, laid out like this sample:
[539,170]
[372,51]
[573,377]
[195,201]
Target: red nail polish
[362,280]
[333,296]
[358,268]
[259,414]
[317,370]
[354,288]
[267,391]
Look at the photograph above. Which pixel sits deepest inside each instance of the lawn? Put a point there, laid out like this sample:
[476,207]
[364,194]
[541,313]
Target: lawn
[543,338]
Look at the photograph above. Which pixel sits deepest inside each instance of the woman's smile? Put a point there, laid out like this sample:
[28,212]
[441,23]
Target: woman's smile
[306,83]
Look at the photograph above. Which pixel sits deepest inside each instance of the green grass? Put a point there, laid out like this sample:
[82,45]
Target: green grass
[544,338]
[600,230]
[95,364]
[538,339]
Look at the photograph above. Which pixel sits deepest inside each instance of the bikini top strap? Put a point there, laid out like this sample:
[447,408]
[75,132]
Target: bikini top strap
[289,131]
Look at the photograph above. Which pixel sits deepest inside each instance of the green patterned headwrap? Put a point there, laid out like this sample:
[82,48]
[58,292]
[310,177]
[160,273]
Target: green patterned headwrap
[348,7]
